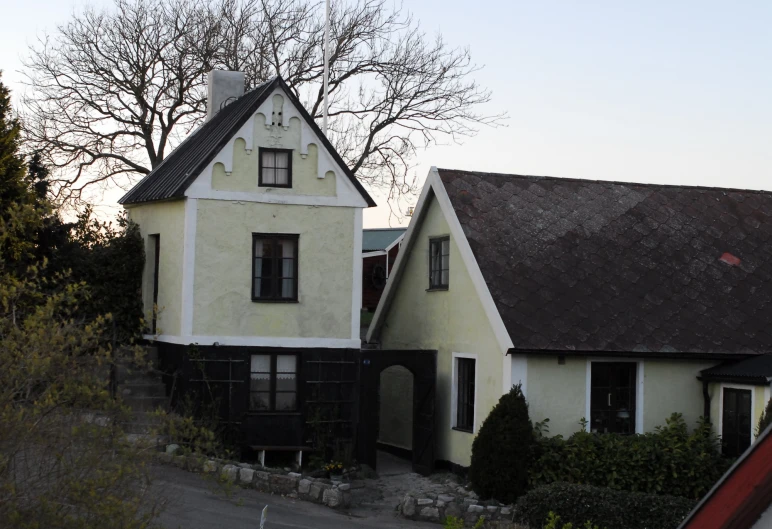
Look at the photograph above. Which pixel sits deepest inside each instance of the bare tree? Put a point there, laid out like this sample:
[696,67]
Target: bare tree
[111,92]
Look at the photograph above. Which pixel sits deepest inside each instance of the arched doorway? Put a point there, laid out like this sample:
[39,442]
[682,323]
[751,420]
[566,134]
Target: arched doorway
[395,411]
[422,366]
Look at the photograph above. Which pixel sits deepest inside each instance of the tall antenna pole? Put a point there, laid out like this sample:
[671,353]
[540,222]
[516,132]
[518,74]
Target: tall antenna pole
[326,65]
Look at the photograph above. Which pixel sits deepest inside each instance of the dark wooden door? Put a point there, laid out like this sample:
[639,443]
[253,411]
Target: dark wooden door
[423,425]
[736,421]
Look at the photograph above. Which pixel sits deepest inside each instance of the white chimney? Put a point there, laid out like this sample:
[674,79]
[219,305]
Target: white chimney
[223,88]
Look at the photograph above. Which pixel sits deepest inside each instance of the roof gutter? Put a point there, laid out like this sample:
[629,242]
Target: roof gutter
[634,354]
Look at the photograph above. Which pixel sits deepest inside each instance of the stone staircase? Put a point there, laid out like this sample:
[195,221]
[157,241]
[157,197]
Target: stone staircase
[143,391]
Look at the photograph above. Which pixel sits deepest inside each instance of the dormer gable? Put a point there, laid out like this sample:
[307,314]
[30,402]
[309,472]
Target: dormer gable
[262,146]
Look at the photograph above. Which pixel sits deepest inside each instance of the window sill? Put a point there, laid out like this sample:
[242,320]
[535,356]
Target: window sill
[278,186]
[437,289]
[268,300]
[456,428]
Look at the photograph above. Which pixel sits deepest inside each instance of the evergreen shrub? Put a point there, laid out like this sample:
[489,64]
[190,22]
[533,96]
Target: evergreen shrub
[502,451]
[670,460]
[607,508]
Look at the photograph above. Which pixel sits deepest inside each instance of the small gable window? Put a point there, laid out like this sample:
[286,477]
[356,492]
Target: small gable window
[439,263]
[275,168]
[274,267]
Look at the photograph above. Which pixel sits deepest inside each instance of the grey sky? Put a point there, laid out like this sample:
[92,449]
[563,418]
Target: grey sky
[664,92]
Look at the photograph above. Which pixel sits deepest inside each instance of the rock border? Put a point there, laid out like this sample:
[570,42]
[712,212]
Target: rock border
[436,507]
[333,494]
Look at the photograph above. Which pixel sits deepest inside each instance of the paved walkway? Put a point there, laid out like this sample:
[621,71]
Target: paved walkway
[197,502]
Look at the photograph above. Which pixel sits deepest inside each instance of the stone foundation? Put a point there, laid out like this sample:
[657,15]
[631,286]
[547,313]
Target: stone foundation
[435,508]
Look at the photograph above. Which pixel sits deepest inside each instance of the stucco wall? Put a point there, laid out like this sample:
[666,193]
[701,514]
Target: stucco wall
[448,321]
[559,392]
[223,270]
[395,419]
[305,168]
[166,219]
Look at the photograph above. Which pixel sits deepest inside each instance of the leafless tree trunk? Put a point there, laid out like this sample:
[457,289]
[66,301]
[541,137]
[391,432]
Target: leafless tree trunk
[112,92]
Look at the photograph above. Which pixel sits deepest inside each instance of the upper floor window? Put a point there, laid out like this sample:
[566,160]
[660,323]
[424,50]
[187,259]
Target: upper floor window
[439,262]
[275,267]
[275,168]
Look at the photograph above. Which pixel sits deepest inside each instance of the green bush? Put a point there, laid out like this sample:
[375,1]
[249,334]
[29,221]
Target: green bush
[502,450]
[765,419]
[555,522]
[605,507]
[669,460]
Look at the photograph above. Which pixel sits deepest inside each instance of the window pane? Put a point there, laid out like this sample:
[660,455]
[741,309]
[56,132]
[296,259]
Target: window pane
[444,277]
[286,383]
[612,397]
[445,262]
[281,177]
[286,248]
[286,363]
[269,159]
[259,401]
[269,175]
[282,160]
[446,247]
[288,288]
[260,364]
[286,401]
[465,368]
[258,383]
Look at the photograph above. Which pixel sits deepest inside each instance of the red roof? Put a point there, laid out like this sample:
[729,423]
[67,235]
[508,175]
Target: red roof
[743,493]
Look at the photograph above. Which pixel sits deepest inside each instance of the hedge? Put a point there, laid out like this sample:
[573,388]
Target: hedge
[669,460]
[606,508]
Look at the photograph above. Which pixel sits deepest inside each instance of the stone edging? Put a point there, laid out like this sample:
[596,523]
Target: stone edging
[436,507]
[333,494]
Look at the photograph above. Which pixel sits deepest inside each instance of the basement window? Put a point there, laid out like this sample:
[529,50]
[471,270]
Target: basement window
[273,382]
[275,168]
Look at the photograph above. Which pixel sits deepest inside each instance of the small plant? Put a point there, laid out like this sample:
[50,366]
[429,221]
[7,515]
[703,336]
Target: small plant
[765,419]
[553,522]
[334,467]
[453,522]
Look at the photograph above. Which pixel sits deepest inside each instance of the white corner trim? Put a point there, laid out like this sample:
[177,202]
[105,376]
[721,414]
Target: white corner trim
[356,290]
[257,341]
[481,287]
[454,390]
[375,253]
[200,192]
[639,387]
[188,265]
[749,387]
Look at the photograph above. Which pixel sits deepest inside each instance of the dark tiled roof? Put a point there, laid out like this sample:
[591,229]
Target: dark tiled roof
[181,167]
[379,238]
[579,265]
[755,369]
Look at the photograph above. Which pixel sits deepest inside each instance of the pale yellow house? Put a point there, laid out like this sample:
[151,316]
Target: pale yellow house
[604,300]
[253,230]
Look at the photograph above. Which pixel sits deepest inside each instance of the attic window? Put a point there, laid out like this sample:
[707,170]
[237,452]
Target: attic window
[275,168]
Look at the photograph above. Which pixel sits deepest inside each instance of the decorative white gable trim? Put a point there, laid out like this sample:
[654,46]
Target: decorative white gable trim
[347,194]
[434,189]
[356,290]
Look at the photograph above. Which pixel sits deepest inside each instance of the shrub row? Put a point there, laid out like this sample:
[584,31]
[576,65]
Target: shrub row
[670,460]
[606,508]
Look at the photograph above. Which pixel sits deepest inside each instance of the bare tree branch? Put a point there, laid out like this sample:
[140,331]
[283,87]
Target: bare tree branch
[112,92]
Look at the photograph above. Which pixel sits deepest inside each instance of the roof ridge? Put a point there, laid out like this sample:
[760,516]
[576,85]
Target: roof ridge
[611,182]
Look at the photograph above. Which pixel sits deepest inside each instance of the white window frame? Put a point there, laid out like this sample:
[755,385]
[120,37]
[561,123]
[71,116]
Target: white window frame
[454,391]
[638,389]
[746,387]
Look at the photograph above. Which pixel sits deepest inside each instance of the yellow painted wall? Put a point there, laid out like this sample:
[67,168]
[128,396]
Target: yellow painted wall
[671,386]
[166,219]
[557,392]
[760,397]
[448,321]
[305,169]
[223,270]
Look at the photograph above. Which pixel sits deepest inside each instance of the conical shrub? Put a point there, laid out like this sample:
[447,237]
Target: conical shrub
[502,450]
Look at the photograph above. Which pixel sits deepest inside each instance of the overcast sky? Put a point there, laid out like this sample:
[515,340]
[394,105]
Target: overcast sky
[655,91]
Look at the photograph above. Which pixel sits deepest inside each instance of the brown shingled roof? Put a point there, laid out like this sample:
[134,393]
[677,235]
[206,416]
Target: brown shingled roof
[593,266]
